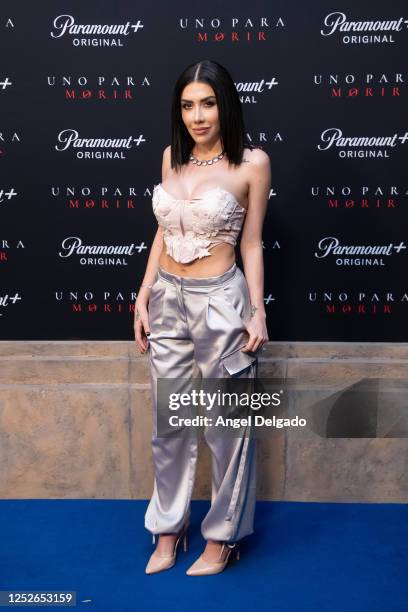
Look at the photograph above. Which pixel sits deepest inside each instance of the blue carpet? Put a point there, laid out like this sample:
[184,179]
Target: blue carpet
[318,557]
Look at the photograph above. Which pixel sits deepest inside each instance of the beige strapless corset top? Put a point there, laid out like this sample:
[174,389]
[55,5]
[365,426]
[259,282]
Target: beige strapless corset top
[192,227]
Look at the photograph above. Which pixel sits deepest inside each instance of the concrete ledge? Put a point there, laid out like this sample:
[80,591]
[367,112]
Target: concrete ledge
[75,422]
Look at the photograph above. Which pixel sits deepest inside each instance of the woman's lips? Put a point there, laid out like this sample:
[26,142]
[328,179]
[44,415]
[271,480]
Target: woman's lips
[201,130]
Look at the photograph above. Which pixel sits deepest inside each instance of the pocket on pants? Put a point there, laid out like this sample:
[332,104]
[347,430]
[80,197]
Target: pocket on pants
[237,362]
[220,314]
[156,304]
[236,295]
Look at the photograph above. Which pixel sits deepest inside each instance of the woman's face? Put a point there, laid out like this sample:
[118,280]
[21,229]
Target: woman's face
[199,109]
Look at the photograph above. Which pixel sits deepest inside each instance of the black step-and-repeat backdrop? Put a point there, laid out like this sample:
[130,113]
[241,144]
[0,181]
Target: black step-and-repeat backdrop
[85,91]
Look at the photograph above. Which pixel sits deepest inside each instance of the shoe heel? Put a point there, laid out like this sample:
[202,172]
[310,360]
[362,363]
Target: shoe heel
[182,536]
[235,551]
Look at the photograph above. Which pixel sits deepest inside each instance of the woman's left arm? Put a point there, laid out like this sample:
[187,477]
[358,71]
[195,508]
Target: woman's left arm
[251,249]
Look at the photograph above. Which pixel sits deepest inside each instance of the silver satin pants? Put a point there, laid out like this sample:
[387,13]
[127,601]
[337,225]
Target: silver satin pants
[197,330]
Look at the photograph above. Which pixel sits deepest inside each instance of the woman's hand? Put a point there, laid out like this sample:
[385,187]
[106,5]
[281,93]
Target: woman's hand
[141,323]
[258,333]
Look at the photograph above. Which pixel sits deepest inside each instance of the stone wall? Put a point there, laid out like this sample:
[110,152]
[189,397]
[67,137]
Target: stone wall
[75,422]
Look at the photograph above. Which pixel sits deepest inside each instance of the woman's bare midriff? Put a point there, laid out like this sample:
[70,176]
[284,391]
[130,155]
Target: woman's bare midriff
[221,259]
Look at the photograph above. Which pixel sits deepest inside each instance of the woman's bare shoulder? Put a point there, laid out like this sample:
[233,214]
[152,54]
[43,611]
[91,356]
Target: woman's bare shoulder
[258,172]
[256,156]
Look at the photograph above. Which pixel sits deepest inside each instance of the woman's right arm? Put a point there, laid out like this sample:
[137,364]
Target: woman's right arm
[141,325]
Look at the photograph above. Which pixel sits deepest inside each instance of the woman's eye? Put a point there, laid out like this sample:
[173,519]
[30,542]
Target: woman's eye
[188,106]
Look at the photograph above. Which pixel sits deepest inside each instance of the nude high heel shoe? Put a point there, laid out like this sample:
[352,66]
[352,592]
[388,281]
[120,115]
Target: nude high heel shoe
[158,563]
[201,567]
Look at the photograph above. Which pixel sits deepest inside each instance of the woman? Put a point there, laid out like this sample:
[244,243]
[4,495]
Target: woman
[196,309]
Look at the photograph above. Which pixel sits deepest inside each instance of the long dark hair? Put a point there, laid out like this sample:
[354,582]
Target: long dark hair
[232,129]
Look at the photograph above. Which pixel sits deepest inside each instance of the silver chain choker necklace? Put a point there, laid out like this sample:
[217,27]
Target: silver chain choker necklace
[206,162]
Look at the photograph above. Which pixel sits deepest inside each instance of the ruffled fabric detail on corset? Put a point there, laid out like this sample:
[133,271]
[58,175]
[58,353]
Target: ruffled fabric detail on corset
[186,249]
[224,215]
